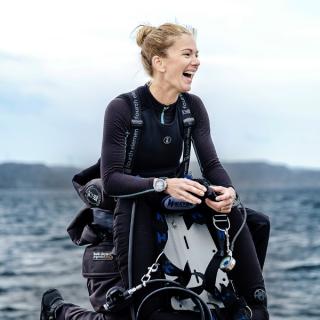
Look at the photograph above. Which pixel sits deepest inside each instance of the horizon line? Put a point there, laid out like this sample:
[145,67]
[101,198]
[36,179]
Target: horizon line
[256,161]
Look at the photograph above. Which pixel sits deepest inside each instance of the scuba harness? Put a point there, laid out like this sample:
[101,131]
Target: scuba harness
[91,192]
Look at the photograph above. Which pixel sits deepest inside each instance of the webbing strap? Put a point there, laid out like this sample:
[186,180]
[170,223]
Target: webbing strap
[188,123]
[134,135]
[210,274]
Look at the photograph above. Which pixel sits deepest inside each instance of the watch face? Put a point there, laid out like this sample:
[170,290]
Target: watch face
[159,185]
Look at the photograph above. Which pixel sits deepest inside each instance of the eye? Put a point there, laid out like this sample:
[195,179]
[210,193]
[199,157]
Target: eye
[187,54]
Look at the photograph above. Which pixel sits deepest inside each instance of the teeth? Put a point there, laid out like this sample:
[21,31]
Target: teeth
[189,74]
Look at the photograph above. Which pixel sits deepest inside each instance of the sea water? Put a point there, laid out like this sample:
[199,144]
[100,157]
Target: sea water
[36,252]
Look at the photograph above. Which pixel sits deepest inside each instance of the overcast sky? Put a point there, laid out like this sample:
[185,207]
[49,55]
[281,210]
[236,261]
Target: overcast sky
[61,62]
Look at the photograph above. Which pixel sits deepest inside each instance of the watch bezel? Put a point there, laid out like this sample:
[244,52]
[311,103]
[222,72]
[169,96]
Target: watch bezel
[157,187]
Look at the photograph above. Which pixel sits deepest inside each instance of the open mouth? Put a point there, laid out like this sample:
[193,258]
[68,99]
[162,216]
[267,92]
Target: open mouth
[188,74]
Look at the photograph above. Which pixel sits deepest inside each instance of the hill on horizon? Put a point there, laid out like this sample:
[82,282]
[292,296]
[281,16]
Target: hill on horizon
[245,175]
[20,175]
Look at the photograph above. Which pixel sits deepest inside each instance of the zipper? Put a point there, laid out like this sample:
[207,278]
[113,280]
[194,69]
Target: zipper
[162,114]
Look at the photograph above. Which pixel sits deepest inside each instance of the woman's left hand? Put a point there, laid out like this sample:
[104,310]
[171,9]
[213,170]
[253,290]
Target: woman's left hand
[224,201]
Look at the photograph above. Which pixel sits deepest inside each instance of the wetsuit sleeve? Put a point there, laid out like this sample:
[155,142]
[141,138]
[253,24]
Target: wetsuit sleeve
[204,147]
[116,127]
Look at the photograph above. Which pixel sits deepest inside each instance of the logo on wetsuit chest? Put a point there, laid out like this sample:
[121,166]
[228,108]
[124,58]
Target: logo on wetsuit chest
[167,140]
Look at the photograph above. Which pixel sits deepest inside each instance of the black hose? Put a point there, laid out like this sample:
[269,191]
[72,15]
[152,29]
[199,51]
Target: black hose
[130,255]
[195,298]
[241,227]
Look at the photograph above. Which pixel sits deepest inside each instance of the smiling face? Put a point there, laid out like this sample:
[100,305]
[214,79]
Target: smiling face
[176,70]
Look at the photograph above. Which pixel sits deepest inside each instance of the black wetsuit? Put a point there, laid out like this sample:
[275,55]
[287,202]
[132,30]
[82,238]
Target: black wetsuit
[154,158]
[153,155]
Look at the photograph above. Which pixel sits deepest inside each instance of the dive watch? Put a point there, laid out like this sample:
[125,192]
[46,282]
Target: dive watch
[160,184]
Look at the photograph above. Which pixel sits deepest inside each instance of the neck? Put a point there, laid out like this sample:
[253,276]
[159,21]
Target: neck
[163,93]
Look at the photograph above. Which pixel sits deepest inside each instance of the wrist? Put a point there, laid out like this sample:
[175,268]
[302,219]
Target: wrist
[160,184]
[235,197]
[234,194]
[232,190]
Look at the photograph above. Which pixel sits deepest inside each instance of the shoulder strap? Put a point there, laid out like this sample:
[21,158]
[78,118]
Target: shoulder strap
[188,123]
[133,137]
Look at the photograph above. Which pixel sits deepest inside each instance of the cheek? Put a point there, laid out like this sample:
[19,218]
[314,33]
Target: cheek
[178,69]
[176,66]
[174,72]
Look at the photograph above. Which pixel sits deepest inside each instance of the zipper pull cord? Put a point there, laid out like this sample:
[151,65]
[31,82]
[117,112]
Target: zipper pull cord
[162,114]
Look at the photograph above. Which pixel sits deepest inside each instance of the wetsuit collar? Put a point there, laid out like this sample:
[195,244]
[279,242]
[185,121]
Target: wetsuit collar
[155,103]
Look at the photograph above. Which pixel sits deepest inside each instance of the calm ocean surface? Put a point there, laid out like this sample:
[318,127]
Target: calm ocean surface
[36,252]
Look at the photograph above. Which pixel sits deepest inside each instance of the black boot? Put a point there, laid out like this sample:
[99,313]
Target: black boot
[51,300]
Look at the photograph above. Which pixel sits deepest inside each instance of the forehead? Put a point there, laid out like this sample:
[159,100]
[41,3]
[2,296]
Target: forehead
[184,42]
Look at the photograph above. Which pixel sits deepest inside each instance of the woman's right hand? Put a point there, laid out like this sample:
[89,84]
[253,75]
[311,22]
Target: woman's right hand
[185,189]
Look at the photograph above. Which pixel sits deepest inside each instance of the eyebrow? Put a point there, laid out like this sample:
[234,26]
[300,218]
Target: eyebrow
[190,50]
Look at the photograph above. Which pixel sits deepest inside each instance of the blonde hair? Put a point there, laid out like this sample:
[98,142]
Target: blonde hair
[154,41]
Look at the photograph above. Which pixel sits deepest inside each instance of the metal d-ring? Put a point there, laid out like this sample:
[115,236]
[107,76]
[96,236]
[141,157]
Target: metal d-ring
[221,218]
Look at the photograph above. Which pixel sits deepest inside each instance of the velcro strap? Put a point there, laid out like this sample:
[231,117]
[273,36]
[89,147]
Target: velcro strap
[136,123]
[188,122]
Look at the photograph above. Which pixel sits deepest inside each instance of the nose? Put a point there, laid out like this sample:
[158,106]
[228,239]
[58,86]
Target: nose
[195,61]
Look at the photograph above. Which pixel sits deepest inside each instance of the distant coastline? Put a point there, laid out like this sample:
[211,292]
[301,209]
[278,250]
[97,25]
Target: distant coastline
[245,175]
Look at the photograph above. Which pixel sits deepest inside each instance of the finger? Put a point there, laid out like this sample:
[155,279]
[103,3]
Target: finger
[213,205]
[222,193]
[226,207]
[189,197]
[226,203]
[223,207]
[219,189]
[194,190]
[195,184]
[223,197]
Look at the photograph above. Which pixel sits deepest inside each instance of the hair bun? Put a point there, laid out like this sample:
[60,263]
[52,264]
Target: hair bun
[142,33]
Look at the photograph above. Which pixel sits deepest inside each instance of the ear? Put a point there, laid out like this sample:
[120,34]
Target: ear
[158,64]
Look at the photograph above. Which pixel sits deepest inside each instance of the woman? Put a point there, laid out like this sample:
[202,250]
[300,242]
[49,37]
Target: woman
[170,57]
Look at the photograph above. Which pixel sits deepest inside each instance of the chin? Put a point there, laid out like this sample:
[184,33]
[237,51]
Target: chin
[185,87]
